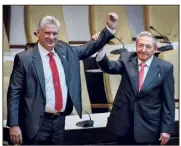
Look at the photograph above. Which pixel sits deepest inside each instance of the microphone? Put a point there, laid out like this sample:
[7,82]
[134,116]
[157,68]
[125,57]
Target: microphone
[120,41]
[166,40]
[118,51]
[86,123]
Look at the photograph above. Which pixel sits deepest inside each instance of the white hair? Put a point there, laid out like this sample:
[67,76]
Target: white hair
[48,20]
[148,34]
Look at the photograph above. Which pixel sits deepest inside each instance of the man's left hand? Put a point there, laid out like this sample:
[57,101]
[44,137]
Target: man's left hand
[164,138]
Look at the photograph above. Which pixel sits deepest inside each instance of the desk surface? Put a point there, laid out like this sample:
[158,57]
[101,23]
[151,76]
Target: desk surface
[100,120]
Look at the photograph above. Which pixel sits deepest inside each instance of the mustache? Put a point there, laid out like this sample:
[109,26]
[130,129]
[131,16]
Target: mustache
[51,41]
[143,53]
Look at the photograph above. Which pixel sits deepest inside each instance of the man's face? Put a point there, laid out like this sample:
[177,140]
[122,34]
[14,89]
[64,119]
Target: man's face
[48,36]
[145,48]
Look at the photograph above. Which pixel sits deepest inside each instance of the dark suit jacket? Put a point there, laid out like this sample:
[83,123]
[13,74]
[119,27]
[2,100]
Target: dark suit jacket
[26,93]
[151,110]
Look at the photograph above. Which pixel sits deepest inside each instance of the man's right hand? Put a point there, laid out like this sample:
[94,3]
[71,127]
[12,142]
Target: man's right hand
[15,135]
[112,20]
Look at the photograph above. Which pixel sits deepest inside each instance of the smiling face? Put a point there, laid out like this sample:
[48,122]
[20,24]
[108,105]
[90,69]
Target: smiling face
[145,48]
[48,36]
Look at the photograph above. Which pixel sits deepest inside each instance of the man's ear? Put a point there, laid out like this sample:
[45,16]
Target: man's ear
[156,47]
[37,33]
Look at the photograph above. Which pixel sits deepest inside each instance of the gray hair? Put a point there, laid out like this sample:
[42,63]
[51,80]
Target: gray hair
[146,33]
[48,20]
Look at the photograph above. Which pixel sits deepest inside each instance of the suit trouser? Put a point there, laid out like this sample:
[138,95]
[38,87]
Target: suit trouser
[51,131]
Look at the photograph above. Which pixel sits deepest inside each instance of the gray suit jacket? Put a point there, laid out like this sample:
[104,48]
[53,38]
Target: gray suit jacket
[26,92]
[151,110]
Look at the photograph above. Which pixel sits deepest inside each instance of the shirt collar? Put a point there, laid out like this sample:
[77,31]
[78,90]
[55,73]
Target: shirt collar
[43,51]
[148,62]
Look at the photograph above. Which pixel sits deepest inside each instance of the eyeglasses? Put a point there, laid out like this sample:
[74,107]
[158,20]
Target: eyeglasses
[147,46]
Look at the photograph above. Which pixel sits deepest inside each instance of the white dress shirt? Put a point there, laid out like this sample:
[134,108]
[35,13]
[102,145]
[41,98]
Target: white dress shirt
[110,30]
[100,55]
[49,87]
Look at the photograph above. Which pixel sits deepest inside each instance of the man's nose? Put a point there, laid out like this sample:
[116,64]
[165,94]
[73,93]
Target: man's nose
[144,48]
[51,36]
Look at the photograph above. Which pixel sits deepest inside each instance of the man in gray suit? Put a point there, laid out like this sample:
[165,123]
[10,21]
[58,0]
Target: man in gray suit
[45,84]
[143,110]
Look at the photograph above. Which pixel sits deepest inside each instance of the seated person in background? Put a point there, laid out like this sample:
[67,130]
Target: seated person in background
[45,84]
[144,109]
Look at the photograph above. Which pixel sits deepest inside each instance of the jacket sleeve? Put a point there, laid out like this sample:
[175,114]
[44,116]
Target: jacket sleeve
[15,91]
[93,46]
[111,67]
[168,115]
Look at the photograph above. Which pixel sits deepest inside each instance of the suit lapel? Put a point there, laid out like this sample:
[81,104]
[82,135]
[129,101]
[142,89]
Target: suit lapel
[133,68]
[151,74]
[37,62]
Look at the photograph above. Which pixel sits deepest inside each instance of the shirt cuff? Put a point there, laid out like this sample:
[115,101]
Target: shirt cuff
[110,30]
[165,134]
[100,55]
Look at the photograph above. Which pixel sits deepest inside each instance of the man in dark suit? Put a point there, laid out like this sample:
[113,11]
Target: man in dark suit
[143,110]
[45,84]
